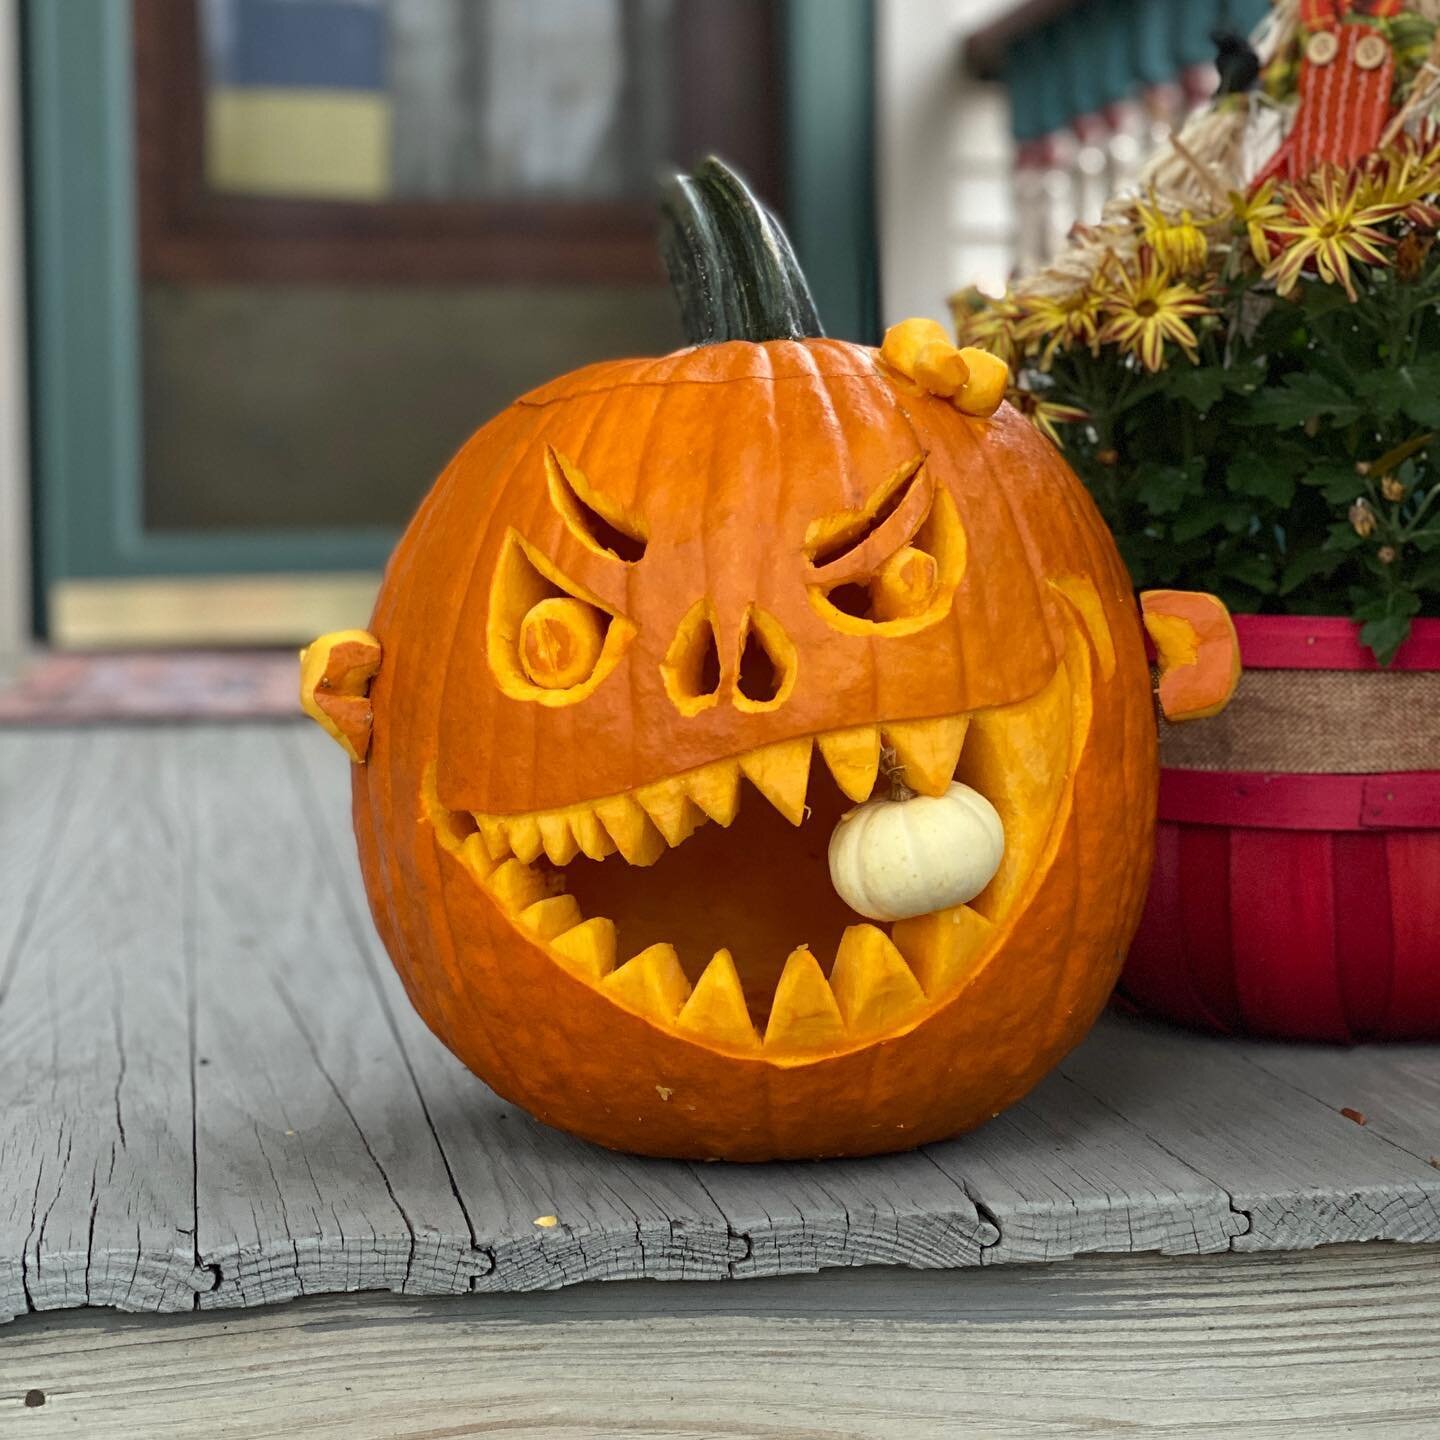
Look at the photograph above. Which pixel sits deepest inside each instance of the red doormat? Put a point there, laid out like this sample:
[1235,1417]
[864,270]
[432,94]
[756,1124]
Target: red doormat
[68,689]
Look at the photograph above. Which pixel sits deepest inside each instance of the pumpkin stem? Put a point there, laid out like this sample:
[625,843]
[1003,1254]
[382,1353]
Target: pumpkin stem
[894,771]
[730,262]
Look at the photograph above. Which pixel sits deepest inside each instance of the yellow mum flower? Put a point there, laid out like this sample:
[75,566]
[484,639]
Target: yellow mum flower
[1179,242]
[1328,227]
[1146,307]
[1046,415]
[1405,175]
[987,323]
[1258,213]
[1061,321]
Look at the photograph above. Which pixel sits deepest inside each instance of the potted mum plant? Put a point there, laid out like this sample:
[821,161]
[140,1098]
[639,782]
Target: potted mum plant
[1249,385]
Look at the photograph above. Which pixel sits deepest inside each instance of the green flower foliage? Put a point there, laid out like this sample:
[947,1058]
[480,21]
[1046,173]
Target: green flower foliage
[1294,467]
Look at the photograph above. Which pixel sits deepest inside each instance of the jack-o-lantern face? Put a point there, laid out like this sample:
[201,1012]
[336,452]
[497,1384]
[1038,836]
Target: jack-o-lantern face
[658,626]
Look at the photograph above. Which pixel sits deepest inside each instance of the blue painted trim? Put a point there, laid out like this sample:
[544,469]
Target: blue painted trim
[84,293]
[829,49]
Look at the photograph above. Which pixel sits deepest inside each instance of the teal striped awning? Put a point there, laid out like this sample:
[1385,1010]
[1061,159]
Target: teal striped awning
[1060,62]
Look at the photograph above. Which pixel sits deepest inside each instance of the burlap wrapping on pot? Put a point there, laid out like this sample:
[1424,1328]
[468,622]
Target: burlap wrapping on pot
[1340,722]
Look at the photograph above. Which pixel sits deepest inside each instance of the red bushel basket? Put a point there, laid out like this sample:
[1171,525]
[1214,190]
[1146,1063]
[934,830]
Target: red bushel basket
[1296,890]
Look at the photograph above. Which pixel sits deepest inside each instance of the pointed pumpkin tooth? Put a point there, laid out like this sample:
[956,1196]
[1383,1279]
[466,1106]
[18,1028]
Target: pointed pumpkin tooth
[560,844]
[651,983]
[853,756]
[631,829]
[525,841]
[475,855]
[548,918]
[942,948]
[803,1015]
[669,806]
[716,1007]
[929,750]
[781,773]
[716,790]
[515,885]
[590,834]
[588,950]
[873,985]
[496,833]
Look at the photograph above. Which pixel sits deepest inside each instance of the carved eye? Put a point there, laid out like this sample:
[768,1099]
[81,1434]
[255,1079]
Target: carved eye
[595,520]
[902,588]
[548,638]
[892,566]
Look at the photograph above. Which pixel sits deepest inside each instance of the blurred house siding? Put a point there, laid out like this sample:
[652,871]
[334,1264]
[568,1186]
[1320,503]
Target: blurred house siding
[945,159]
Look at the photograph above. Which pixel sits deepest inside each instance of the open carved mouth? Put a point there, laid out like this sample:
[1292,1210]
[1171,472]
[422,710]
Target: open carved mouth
[717,920]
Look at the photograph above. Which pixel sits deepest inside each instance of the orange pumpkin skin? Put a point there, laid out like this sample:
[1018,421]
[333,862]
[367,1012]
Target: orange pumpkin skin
[730,452]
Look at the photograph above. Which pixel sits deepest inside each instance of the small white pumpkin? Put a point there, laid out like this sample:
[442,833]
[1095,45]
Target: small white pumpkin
[891,859]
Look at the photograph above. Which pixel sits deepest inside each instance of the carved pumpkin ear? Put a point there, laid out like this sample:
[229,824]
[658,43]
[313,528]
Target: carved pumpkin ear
[335,675]
[1198,651]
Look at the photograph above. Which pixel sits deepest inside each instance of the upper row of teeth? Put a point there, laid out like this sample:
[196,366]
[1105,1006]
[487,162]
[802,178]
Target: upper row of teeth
[640,824]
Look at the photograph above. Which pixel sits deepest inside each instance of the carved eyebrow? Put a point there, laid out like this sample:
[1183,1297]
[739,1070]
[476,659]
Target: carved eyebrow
[854,542]
[598,522]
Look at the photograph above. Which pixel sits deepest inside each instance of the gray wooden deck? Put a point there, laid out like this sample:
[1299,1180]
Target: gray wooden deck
[1320,1344]
[213,1094]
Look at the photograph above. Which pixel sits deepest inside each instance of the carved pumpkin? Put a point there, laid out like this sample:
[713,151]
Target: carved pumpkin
[642,647]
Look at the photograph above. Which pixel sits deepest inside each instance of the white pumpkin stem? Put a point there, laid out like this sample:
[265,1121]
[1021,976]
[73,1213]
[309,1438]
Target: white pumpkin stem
[894,771]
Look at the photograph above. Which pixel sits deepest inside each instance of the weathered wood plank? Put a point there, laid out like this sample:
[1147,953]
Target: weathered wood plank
[1396,1088]
[38,776]
[1061,1174]
[893,1210]
[1300,1172]
[96,1174]
[316,1167]
[1340,1342]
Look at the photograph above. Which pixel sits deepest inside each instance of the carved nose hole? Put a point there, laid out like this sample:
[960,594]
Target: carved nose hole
[758,680]
[691,668]
[707,679]
[768,663]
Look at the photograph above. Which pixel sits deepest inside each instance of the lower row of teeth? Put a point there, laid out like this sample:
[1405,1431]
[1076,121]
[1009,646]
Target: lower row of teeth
[876,983]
